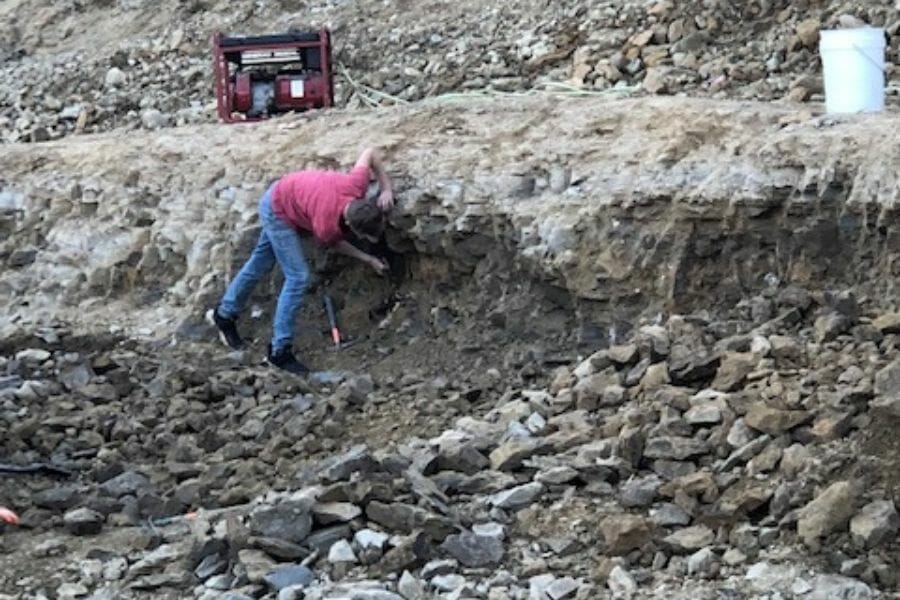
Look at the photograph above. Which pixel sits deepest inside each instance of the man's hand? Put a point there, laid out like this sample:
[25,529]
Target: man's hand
[379,265]
[347,249]
[371,158]
[386,200]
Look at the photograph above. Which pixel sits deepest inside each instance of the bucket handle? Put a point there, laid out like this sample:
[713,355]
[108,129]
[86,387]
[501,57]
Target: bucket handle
[870,59]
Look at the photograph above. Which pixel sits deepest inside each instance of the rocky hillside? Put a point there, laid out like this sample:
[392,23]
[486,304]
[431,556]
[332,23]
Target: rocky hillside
[617,205]
[87,66]
[629,347]
[643,348]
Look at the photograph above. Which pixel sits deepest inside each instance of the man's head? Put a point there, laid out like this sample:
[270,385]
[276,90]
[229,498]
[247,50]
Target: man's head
[365,219]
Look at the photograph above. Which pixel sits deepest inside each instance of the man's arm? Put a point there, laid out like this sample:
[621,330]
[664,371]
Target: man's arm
[371,158]
[347,249]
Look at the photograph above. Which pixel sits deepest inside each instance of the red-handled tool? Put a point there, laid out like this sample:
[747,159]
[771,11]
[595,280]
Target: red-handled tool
[332,320]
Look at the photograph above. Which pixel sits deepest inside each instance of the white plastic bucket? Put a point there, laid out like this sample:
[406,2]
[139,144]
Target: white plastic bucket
[853,63]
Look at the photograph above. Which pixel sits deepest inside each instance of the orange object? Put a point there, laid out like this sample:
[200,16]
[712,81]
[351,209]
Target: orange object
[8,516]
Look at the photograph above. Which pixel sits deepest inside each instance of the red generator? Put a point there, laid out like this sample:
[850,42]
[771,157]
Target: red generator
[259,76]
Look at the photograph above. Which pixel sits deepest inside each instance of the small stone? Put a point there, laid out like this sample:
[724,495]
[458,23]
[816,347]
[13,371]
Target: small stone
[341,552]
[690,539]
[256,564]
[668,514]
[221,582]
[538,584]
[398,516]
[335,512]
[411,588]
[800,587]
[830,587]
[493,530]
[773,421]
[128,483]
[284,576]
[556,475]
[687,365]
[356,459]
[323,539]
[739,434]
[888,323]
[407,553]
[278,548]
[851,568]
[462,457]
[22,257]
[876,523]
[828,327]
[356,390]
[439,567]
[734,557]
[705,413]
[559,178]
[509,456]
[765,577]
[673,447]
[794,460]
[562,588]
[70,112]
[829,511]
[785,350]
[51,547]
[115,77]
[154,119]
[639,492]
[57,498]
[761,346]
[68,591]
[370,539]
[563,546]
[733,370]
[653,341]
[212,564]
[808,32]
[624,533]
[517,497]
[701,562]
[84,521]
[536,424]
[33,356]
[289,520]
[887,389]
[621,583]
[474,550]
[448,583]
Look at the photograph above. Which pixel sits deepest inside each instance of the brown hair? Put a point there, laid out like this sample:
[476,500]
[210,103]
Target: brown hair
[366,218]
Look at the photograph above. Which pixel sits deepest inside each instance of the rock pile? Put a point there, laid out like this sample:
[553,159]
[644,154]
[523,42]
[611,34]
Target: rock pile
[711,451]
[161,76]
[75,93]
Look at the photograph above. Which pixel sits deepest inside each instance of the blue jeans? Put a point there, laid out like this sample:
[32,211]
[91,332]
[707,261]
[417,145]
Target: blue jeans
[280,242]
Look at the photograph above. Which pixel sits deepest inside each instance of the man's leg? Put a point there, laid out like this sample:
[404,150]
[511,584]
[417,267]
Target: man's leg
[289,253]
[260,263]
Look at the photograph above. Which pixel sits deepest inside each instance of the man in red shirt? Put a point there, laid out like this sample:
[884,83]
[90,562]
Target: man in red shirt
[327,204]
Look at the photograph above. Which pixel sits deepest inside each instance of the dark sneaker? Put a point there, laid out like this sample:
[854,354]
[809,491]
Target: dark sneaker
[284,359]
[228,331]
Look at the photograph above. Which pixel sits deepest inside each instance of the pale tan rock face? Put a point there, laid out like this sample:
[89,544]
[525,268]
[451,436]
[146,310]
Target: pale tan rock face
[667,203]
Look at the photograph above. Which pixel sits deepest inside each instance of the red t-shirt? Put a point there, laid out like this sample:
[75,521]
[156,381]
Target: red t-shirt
[315,200]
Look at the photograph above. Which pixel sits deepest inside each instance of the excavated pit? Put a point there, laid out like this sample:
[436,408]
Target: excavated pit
[612,267]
